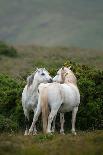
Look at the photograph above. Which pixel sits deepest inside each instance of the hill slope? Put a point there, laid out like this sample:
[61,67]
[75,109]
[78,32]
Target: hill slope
[30,57]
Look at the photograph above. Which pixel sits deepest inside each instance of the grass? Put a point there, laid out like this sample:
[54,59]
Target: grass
[30,57]
[85,143]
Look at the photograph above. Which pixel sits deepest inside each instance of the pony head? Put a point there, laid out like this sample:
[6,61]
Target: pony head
[42,76]
[65,75]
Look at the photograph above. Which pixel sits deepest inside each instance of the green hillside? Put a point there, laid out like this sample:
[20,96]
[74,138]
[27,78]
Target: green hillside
[29,57]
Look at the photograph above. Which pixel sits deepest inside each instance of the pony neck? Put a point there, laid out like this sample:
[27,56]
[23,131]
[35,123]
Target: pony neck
[35,86]
[32,91]
[70,78]
[70,82]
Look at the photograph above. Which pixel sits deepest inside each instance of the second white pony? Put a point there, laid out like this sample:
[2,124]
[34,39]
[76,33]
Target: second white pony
[30,93]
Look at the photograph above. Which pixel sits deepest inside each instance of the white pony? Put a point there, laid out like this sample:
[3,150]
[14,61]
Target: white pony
[70,78]
[30,93]
[58,97]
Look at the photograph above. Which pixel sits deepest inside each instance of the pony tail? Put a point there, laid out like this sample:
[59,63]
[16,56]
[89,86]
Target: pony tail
[44,107]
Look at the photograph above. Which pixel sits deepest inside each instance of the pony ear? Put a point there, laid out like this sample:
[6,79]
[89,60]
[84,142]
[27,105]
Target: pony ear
[63,68]
[37,69]
[69,67]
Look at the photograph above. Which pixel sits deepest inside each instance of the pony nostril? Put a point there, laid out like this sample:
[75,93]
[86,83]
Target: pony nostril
[50,81]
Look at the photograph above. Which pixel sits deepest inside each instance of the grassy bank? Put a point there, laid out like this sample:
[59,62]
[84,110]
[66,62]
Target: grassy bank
[85,143]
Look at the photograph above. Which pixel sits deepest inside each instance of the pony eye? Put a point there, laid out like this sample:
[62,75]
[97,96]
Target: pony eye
[43,74]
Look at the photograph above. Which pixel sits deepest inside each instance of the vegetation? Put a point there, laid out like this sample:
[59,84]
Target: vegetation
[90,143]
[30,57]
[7,51]
[89,117]
[7,125]
[10,101]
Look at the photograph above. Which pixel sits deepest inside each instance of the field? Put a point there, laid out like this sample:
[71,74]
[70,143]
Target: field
[85,143]
[25,62]
[30,57]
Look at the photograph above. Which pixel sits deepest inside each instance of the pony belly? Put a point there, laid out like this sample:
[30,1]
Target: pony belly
[31,104]
[66,108]
[71,98]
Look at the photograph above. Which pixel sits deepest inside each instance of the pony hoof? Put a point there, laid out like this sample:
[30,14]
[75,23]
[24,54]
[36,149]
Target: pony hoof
[26,133]
[74,133]
[49,133]
[34,133]
[53,131]
[30,132]
[62,133]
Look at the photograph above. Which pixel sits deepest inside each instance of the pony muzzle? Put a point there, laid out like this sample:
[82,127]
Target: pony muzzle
[50,80]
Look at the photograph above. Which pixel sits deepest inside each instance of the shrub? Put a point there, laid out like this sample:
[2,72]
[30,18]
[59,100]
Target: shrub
[10,98]
[7,50]
[7,125]
[90,114]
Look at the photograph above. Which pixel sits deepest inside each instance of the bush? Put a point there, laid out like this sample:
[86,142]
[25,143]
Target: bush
[7,125]
[10,98]
[7,50]
[90,114]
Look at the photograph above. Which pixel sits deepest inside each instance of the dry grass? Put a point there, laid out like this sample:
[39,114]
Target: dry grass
[31,56]
[85,143]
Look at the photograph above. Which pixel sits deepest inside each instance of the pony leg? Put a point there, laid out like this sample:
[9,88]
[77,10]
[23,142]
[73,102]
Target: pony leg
[34,129]
[52,114]
[62,122]
[26,126]
[74,112]
[53,127]
[26,122]
[35,118]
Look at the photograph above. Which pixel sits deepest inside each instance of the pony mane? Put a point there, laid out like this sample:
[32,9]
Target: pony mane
[69,77]
[31,77]
[30,80]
